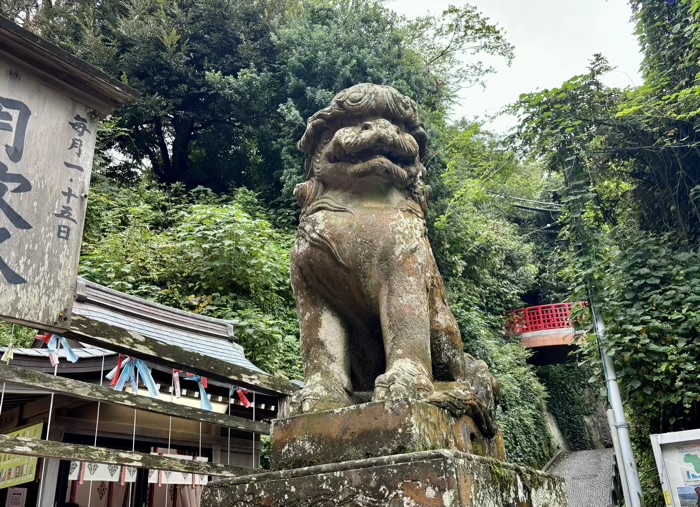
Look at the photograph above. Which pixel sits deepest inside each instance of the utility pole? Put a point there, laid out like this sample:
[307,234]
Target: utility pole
[634,488]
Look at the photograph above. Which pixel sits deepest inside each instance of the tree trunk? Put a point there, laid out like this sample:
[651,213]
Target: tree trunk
[180,149]
[162,170]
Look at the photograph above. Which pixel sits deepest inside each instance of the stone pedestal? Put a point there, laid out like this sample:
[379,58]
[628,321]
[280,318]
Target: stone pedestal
[421,479]
[387,454]
[373,430]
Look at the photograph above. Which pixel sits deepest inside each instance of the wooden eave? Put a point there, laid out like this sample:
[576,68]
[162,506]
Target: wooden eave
[62,71]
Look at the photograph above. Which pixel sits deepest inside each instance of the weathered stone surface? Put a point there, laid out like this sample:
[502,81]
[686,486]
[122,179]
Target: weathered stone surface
[371,302]
[425,479]
[373,430]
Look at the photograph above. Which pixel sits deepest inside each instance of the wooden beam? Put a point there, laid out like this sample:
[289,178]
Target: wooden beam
[128,342]
[76,452]
[92,392]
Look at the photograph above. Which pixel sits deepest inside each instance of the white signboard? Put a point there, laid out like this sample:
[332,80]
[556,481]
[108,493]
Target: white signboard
[46,148]
[678,461]
[16,497]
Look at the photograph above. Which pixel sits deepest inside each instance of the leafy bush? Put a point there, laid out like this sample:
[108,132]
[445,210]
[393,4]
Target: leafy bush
[217,256]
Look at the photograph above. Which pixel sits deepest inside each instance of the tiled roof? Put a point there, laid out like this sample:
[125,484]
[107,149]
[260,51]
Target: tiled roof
[206,335]
[83,352]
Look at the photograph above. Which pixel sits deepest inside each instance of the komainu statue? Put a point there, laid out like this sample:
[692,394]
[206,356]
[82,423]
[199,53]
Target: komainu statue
[370,299]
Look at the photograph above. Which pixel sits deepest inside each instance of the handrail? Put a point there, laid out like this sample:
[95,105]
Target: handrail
[541,318]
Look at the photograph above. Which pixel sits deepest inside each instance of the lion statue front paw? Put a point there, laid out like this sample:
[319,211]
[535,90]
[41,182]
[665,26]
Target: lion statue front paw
[317,396]
[405,379]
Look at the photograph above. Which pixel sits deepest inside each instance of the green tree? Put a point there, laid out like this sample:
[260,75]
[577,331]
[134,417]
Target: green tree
[631,223]
[218,256]
[227,84]
[423,58]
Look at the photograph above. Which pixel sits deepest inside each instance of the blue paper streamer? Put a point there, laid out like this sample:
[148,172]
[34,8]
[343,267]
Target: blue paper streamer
[132,370]
[147,378]
[206,404]
[69,351]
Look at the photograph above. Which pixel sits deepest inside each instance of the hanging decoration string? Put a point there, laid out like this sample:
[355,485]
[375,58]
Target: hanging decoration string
[228,456]
[133,448]
[241,393]
[97,425]
[54,343]
[170,433]
[131,369]
[254,433]
[202,383]
[48,433]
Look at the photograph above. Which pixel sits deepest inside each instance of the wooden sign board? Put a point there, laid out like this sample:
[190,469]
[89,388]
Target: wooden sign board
[50,104]
[45,166]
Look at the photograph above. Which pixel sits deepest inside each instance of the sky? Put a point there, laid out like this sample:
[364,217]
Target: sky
[553,39]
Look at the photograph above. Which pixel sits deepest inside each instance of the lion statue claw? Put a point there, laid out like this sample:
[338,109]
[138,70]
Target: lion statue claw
[370,299]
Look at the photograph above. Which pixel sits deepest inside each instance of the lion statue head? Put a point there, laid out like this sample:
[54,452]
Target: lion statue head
[370,136]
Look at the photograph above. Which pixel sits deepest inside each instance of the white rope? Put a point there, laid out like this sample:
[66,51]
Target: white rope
[97,423]
[48,432]
[253,432]
[170,431]
[133,448]
[228,456]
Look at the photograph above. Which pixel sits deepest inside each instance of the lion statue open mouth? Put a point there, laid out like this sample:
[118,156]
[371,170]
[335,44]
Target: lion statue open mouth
[370,299]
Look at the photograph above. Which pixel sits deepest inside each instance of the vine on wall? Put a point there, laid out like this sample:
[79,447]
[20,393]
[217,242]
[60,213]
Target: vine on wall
[568,402]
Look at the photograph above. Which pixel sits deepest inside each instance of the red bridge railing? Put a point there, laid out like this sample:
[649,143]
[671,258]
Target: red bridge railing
[541,318]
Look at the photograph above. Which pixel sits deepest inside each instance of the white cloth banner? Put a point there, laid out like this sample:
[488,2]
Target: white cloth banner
[100,472]
[169,477]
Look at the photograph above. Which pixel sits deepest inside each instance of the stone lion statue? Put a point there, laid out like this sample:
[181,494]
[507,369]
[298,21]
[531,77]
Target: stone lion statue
[370,299]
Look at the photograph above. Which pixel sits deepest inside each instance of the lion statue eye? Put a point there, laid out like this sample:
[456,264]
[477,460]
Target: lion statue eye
[355,98]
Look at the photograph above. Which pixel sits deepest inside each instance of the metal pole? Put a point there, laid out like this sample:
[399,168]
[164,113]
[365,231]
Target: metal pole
[629,463]
[618,454]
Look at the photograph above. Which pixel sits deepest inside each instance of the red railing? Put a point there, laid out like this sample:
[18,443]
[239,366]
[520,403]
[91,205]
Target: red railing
[540,318]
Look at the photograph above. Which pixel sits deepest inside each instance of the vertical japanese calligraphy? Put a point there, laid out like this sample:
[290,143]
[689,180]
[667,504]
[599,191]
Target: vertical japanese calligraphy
[80,126]
[15,126]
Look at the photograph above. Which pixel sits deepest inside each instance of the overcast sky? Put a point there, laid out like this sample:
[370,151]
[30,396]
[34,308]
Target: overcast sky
[553,39]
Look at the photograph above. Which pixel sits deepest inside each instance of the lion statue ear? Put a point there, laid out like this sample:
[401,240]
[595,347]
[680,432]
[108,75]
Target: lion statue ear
[307,192]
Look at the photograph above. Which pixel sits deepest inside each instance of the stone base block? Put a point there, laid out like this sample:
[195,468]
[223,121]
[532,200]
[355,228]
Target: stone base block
[373,430]
[422,479]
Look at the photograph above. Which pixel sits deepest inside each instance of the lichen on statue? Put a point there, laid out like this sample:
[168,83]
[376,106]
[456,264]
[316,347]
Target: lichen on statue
[370,299]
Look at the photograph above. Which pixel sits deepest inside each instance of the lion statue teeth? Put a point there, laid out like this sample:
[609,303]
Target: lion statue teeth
[370,299]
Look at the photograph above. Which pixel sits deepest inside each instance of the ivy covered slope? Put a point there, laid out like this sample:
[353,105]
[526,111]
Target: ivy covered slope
[631,165]
[191,205]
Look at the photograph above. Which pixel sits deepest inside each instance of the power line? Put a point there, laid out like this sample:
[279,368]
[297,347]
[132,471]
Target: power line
[531,208]
[530,201]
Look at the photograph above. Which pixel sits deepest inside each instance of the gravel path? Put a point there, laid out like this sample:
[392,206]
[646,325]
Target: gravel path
[588,476]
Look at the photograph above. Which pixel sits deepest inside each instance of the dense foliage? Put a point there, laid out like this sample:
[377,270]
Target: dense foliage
[214,255]
[630,163]
[226,86]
